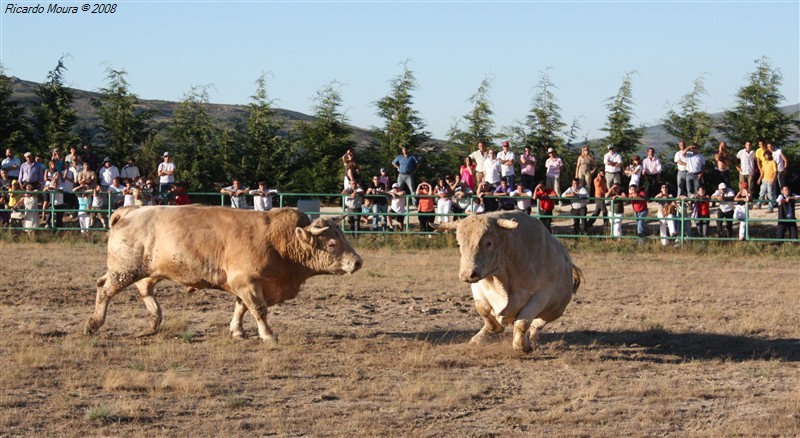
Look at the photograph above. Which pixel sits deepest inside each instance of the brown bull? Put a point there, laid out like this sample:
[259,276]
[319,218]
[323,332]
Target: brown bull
[520,274]
[261,257]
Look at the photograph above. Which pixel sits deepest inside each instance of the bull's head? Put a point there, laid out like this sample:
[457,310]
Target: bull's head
[480,239]
[327,250]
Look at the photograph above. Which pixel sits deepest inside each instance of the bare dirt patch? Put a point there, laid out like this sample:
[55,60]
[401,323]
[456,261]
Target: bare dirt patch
[653,344]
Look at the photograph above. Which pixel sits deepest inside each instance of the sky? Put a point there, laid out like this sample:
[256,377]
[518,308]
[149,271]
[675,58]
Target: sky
[167,47]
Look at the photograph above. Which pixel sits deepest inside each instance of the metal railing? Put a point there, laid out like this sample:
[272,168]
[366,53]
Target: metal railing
[562,223]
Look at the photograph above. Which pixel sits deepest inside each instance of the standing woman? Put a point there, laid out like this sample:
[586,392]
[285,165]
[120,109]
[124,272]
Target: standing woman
[634,171]
[468,173]
[585,168]
[722,171]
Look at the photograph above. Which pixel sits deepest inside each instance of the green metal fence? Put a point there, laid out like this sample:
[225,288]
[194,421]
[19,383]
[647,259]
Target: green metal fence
[756,229]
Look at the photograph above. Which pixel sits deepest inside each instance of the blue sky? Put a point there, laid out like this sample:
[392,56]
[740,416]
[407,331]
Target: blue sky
[168,47]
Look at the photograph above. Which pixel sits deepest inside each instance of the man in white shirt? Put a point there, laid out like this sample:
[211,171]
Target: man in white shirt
[262,197]
[129,172]
[782,163]
[613,166]
[724,195]
[524,198]
[580,198]
[491,169]
[695,163]
[747,165]
[682,191]
[478,157]
[107,174]
[166,174]
[11,164]
[506,158]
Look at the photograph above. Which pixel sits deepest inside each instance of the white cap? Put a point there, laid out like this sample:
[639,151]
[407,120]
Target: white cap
[395,185]
[722,186]
[550,150]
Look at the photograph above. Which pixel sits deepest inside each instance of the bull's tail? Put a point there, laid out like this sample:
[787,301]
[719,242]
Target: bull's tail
[119,214]
[577,277]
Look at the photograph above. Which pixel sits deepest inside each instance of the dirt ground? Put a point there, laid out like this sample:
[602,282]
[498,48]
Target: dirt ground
[668,344]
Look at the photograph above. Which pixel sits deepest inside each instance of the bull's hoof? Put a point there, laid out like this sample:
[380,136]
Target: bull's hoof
[271,341]
[521,344]
[237,334]
[483,337]
[91,327]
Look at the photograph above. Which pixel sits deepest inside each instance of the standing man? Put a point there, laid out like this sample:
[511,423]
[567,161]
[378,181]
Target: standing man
[107,174]
[30,173]
[682,188]
[783,165]
[166,174]
[747,165]
[129,172]
[477,157]
[11,165]
[553,166]
[407,165]
[651,170]
[237,194]
[528,168]
[612,161]
[695,163]
[491,170]
[762,148]
[506,158]
[725,196]
[90,157]
[353,200]
[787,216]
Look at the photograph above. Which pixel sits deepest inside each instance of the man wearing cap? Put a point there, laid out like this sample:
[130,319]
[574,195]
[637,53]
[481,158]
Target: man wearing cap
[477,157]
[613,166]
[506,158]
[384,177]
[724,195]
[129,172]
[30,172]
[397,209]
[11,164]
[107,174]
[552,174]
[166,174]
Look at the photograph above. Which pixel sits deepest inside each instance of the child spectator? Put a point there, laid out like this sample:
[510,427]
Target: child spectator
[617,210]
[666,214]
[84,218]
[740,212]
[544,195]
[425,206]
[100,205]
[702,211]
[397,207]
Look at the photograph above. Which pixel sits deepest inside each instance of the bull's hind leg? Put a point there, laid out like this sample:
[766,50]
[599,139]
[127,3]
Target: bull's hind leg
[249,290]
[533,332]
[107,286]
[490,324]
[236,321]
[146,287]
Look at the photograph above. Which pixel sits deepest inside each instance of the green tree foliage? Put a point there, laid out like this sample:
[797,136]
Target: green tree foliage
[403,127]
[690,123]
[620,129]
[14,130]
[123,119]
[320,144]
[195,138]
[479,124]
[755,114]
[544,119]
[55,117]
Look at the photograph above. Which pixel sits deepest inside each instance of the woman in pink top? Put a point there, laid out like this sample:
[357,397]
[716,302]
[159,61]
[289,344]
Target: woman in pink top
[468,173]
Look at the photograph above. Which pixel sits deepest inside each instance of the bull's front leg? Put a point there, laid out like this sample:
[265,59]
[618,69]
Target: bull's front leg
[535,306]
[490,324]
[249,290]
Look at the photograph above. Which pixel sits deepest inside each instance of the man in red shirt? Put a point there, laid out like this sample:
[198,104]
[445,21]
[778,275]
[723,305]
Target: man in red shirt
[546,204]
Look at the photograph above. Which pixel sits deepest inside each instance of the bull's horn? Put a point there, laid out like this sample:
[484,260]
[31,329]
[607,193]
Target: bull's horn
[316,231]
[446,226]
[507,224]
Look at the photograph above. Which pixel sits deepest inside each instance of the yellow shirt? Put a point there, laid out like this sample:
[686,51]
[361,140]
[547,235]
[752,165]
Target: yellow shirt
[769,169]
[760,156]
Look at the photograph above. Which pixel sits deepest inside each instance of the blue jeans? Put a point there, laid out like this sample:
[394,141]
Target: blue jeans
[640,222]
[767,192]
[379,219]
[407,179]
[692,182]
[682,183]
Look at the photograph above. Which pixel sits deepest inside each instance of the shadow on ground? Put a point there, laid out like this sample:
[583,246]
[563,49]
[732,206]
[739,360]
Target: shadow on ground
[651,346]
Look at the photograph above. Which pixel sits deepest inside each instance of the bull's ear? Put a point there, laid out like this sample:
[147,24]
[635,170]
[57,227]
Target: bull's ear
[304,236]
[508,224]
[447,226]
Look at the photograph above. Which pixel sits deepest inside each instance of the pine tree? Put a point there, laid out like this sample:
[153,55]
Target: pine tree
[403,127]
[320,144]
[544,119]
[14,130]
[195,137]
[755,114]
[620,129]
[479,124]
[690,123]
[55,117]
[124,121]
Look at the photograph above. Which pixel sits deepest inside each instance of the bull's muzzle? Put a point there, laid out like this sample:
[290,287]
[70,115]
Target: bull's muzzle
[470,275]
[353,264]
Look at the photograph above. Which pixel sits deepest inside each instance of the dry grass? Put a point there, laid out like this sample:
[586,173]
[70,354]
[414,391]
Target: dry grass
[663,343]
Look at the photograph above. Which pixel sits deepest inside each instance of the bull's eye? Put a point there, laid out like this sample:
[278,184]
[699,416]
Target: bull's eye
[331,246]
[488,244]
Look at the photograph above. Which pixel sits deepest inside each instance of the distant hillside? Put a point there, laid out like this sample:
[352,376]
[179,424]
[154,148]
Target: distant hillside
[655,136]
[24,92]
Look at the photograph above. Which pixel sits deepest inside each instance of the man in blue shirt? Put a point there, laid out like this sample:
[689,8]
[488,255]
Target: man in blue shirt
[406,164]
